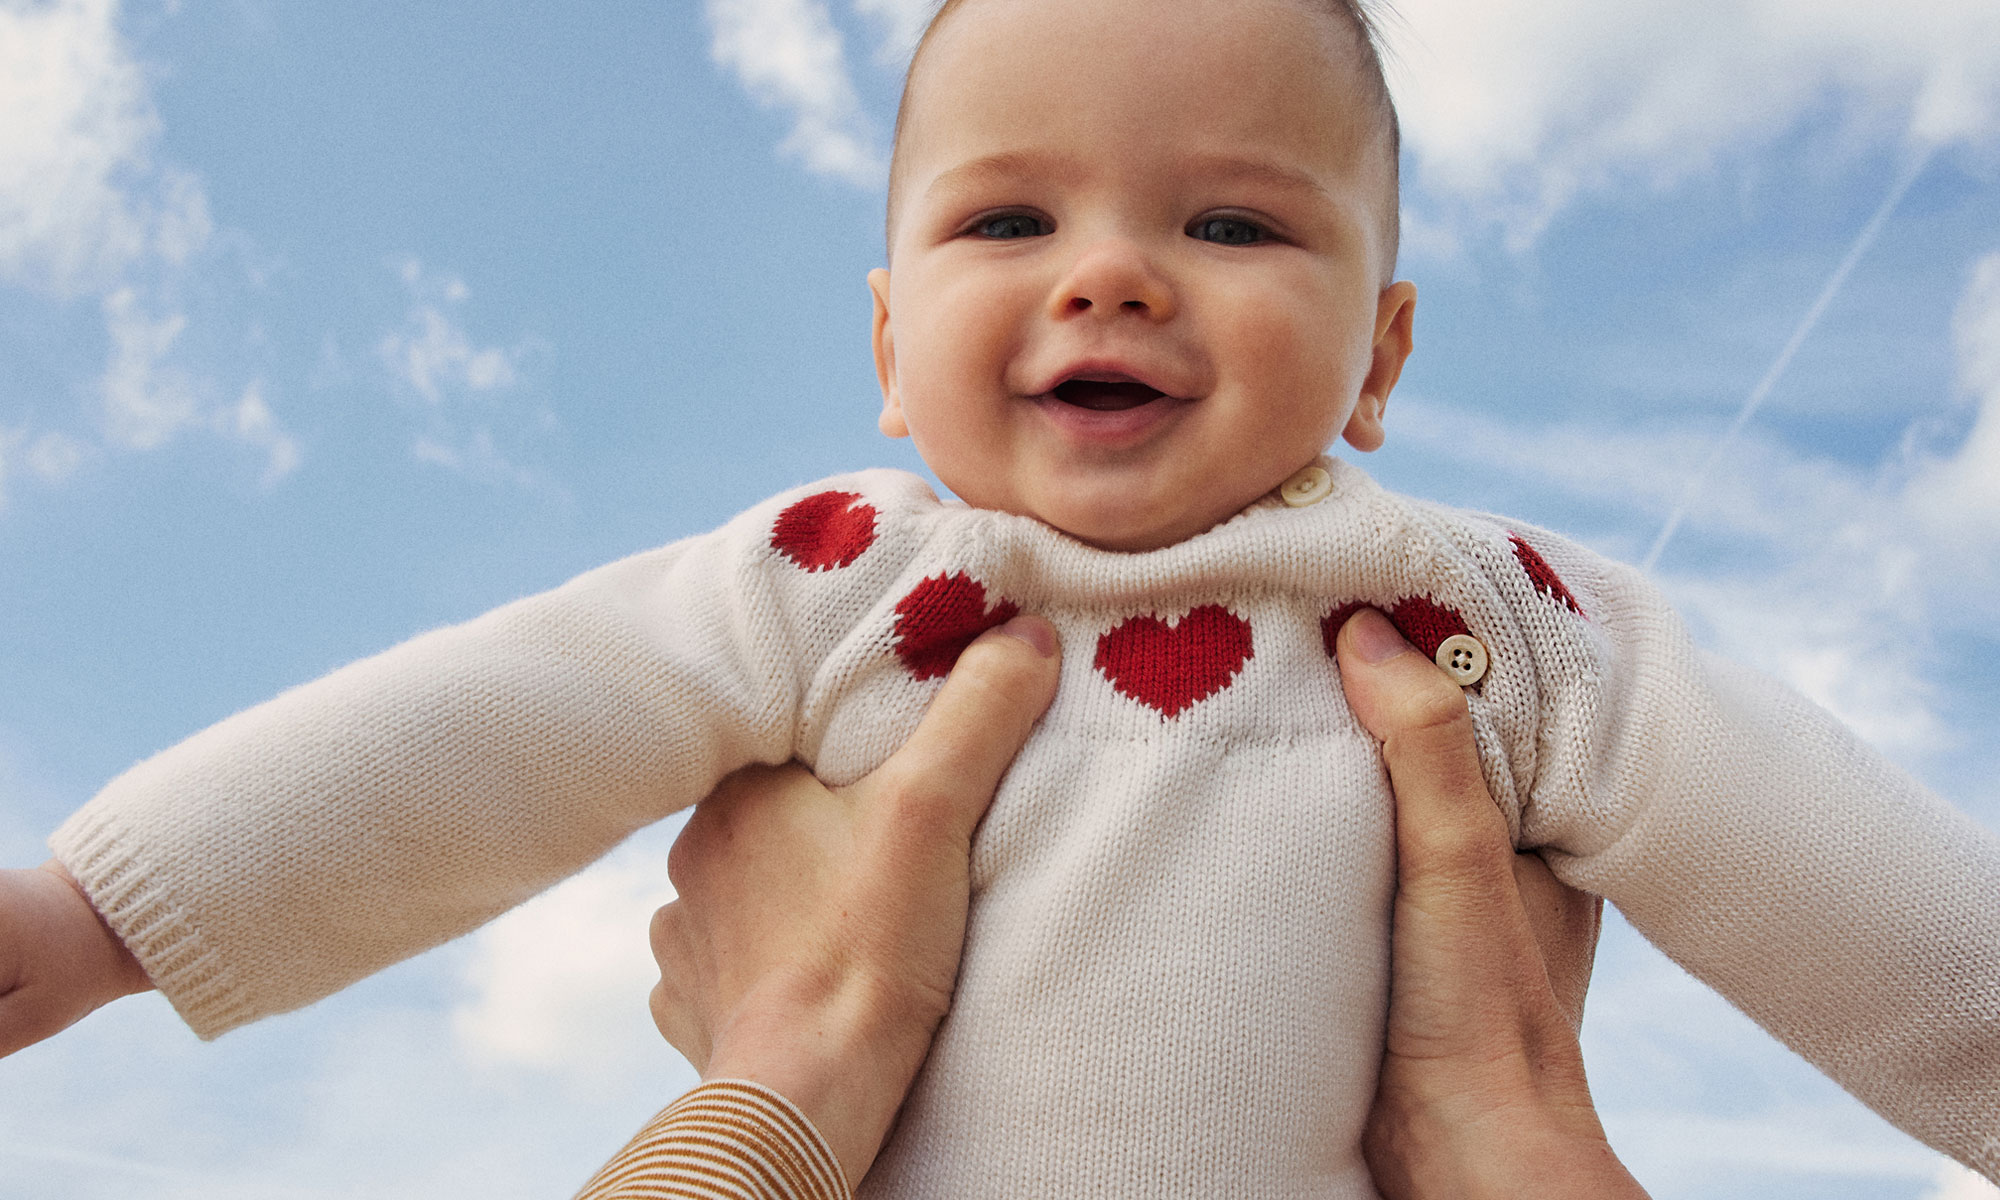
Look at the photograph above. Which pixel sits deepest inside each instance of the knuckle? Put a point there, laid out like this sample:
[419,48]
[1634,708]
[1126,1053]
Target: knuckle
[920,811]
[1436,709]
[671,1018]
[916,838]
[681,859]
[907,791]
[1458,851]
[660,931]
[1005,673]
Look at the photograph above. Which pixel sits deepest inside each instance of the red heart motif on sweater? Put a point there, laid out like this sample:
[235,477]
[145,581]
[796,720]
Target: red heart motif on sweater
[1542,575]
[824,531]
[939,619]
[1422,620]
[1172,668]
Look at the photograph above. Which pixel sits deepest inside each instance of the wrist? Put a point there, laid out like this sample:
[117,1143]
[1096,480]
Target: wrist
[845,1059]
[118,971]
[1507,1143]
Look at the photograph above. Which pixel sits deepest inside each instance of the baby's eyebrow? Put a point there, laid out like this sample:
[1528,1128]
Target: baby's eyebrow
[1045,166]
[1006,166]
[1233,168]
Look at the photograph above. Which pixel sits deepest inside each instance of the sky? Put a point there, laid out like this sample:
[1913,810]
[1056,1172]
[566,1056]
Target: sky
[323,325]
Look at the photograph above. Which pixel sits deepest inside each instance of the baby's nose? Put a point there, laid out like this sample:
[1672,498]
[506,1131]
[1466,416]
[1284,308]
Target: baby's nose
[1112,277]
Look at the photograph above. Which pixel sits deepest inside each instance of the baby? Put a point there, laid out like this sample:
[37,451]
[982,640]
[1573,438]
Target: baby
[1140,277]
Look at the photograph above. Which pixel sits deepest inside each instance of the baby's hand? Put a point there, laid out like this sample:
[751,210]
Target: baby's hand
[58,959]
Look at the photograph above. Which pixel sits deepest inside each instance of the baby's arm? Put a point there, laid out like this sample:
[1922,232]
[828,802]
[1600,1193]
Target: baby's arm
[1755,840]
[59,961]
[403,800]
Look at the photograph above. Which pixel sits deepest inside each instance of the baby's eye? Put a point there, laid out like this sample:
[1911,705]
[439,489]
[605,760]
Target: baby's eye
[1228,231]
[1008,226]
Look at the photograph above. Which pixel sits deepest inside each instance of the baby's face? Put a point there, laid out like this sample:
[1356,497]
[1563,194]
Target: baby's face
[1137,265]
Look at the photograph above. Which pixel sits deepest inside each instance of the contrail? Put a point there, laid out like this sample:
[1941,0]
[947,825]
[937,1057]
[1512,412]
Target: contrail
[1763,389]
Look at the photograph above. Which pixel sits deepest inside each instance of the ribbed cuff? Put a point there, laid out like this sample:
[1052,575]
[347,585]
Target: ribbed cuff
[726,1139]
[173,954]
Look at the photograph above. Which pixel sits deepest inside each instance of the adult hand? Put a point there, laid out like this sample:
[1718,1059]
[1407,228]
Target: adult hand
[1482,1091]
[815,942]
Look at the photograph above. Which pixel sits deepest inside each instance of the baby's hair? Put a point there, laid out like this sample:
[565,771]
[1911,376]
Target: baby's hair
[1356,19]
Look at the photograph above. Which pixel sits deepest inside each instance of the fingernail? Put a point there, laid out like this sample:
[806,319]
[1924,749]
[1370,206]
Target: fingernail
[1375,638]
[1034,631]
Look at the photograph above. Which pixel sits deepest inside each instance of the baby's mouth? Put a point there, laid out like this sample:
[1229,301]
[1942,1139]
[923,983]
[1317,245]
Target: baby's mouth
[1103,395]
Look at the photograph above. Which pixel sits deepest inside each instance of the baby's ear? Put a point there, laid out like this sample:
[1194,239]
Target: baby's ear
[891,420]
[1395,315]
[1364,425]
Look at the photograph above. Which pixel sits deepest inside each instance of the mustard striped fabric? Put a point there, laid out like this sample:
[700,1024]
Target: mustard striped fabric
[726,1139]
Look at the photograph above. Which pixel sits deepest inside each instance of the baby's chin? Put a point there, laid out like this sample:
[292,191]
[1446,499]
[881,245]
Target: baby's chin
[1127,529]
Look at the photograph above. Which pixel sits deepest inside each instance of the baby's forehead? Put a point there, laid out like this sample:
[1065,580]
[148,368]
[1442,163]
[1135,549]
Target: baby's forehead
[1335,34]
[1346,40]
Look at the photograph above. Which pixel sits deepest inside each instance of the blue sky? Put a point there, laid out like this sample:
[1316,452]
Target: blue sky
[326,324]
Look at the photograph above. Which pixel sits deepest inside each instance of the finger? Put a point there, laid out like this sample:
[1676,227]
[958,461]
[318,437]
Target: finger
[662,931]
[1448,827]
[671,1001]
[978,721]
[674,1019]
[704,841]
[1565,923]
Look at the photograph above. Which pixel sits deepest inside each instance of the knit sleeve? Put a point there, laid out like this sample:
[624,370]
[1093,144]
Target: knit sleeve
[1758,843]
[400,801]
[724,1140]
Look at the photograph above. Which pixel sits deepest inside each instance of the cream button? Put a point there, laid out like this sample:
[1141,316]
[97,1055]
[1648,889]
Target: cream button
[1309,486]
[1462,658]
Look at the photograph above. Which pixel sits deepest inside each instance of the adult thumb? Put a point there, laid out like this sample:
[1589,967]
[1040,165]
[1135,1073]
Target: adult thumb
[1446,819]
[978,721]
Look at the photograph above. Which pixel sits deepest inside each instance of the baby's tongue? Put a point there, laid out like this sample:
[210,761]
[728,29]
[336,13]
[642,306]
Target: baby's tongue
[1104,396]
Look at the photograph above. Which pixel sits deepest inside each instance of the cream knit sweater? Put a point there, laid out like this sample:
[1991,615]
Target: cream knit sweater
[1176,970]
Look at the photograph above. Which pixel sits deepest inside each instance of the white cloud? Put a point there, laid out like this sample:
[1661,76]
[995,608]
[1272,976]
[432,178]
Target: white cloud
[146,399]
[1766,491]
[75,180]
[1849,635]
[10,441]
[48,458]
[54,457]
[901,22]
[83,199]
[789,55]
[88,209]
[1700,1102]
[1960,1183]
[561,982]
[462,388]
[1514,108]
[251,423]
[365,1095]
[432,354]
[1861,580]
[1958,495]
[477,456]
[1680,1147]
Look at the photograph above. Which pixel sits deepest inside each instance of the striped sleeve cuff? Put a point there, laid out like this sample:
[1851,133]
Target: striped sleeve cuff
[727,1139]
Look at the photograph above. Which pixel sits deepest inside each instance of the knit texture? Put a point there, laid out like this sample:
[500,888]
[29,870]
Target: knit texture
[1176,966]
[726,1139]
